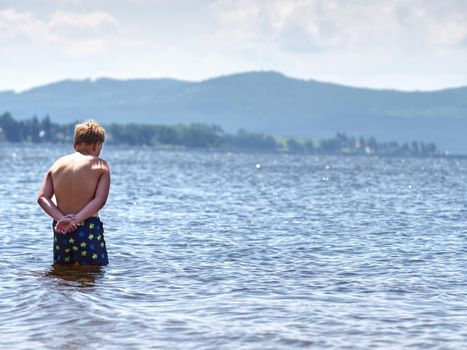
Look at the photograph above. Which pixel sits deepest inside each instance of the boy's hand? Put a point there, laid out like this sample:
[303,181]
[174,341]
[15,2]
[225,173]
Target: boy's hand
[66,224]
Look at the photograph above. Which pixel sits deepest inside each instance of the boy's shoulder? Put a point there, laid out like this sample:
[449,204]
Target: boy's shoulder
[61,161]
[104,164]
[100,165]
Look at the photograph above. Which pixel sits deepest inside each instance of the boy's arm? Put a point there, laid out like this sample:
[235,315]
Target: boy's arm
[102,192]
[44,198]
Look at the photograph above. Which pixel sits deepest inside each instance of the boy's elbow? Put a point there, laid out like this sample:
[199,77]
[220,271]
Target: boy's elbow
[41,201]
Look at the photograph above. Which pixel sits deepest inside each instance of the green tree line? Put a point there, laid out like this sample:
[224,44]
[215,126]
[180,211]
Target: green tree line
[35,130]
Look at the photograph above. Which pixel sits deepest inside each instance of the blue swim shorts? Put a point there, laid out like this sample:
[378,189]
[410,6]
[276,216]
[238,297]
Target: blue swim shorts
[85,245]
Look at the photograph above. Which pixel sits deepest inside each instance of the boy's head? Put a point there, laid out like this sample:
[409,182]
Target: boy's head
[90,135]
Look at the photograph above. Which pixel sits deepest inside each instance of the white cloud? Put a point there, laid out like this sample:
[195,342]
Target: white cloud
[319,25]
[19,26]
[82,24]
[63,33]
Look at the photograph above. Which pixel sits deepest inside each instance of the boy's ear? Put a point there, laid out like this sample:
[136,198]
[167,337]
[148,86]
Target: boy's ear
[97,146]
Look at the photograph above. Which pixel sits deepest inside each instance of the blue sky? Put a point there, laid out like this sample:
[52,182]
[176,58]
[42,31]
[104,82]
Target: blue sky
[399,44]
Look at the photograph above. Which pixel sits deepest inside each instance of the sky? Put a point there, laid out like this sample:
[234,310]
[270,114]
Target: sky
[393,44]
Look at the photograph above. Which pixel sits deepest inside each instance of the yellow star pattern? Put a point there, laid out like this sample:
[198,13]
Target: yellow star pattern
[83,244]
[83,253]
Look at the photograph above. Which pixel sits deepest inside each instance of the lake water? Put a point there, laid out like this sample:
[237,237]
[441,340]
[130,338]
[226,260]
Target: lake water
[243,251]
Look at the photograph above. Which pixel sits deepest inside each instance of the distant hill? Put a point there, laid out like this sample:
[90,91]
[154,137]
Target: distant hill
[257,101]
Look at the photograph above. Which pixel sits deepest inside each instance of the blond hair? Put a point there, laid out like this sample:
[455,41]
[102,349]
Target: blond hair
[89,132]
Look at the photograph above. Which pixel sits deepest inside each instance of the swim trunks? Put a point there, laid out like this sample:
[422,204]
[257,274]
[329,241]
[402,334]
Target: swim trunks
[85,245]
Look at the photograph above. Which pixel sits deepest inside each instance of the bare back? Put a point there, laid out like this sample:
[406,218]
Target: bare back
[75,178]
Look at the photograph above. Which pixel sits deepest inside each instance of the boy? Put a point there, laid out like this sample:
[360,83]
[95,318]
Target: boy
[80,182]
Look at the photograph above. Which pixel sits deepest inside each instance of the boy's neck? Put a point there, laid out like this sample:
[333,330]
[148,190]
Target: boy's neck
[85,153]
[87,150]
